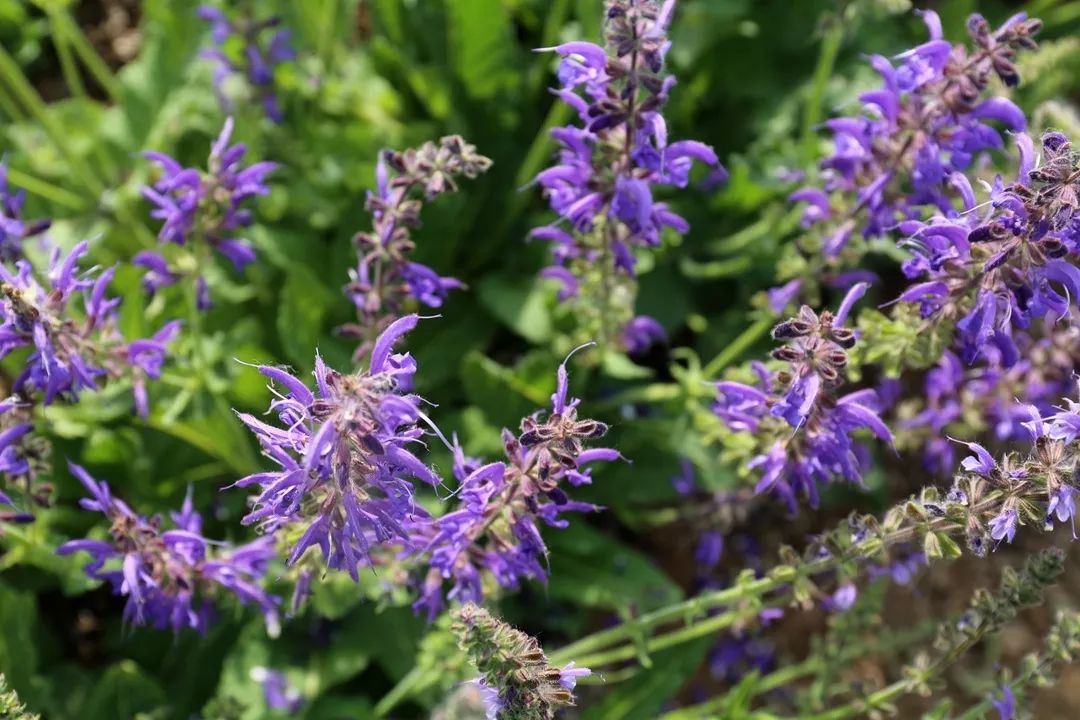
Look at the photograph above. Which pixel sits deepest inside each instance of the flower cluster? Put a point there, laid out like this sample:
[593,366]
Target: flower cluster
[385,279]
[13,228]
[71,351]
[996,272]
[516,678]
[960,400]
[803,425]
[202,209]
[608,166]
[239,51]
[494,533]
[170,577]
[24,458]
[344,457]
[904,153]
[1014,486]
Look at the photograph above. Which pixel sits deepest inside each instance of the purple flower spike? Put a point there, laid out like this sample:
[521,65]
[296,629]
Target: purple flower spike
[72,349]
[611,165]
[801,423]
[898,160]
[203,206]
[493,535]
[14,230]
[255,61]
[171,578]
[345,458]
[385,281]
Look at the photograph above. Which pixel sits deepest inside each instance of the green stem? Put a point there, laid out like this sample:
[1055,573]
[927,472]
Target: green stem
[46,190]
[415,679]
[327,23]
[70,70]
[596,649]
[739,345]
[94,64]
[686,609]
[20,87]
[830,48]
[10,108]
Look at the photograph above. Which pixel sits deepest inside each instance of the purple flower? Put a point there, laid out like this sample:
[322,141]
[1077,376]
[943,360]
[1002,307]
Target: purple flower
[641,333]
[494,531]
[255,59]
[170,577]
[610,166]
[1062,505]
[569,675]
[1003,525]
[781,297]
[1006,706]
[902,155]
[710,549]
[203,207]
[13,229]
[72,348]
[277,691]
[345,458]
[813,444]
[385,281]
[1022,252]
[843,598]
[684,483]
[738,654]
[982,462]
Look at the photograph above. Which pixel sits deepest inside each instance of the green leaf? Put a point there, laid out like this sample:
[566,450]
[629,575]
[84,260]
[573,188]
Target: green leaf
[521,306]
[641,697]
[595,570]
[503,393]
[18,649]
[123,691]
[481,45]
[301,310]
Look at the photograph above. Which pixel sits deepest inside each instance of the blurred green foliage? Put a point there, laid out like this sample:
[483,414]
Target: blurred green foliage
[755,77]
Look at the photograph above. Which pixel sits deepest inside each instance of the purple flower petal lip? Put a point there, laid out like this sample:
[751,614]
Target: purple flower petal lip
[853,295]
[1003,526]
[1026,147]
[887,101]
[592,54]
[814,196]
[296,388]
[1002,110]
[867,418]
[933,23]
[962,185]
[982,462]
[918,291]
[782,296]
[570,285]
[381,351]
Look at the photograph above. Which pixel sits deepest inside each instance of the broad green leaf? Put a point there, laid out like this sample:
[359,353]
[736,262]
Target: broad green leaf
[593,569]
[124,690]
[481,45]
